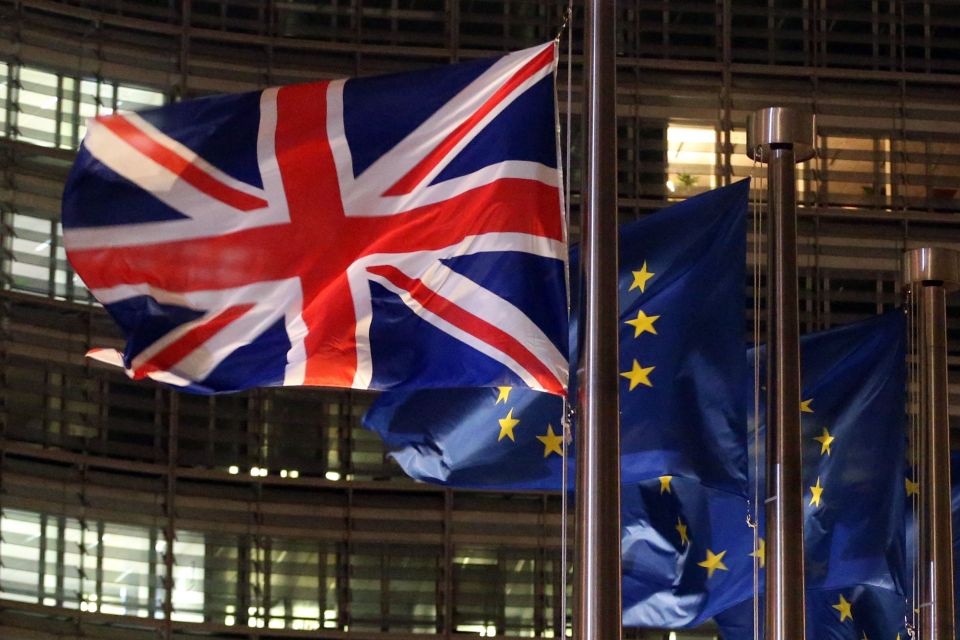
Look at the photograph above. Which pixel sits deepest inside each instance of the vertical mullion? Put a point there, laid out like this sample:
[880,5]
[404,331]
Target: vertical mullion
[99,576]
[61,536]
[58,113]
[52,266]
[42,558]
[170,531]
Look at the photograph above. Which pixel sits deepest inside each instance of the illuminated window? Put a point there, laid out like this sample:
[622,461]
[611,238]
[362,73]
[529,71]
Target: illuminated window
[30,245]
[928,174]
[20,554]
[50,110]
[691,159]
[131,586]
[855,171]
[188,577]
[38,107]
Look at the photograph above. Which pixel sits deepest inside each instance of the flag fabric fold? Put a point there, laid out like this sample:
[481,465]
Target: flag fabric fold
[402,231]
[681,363]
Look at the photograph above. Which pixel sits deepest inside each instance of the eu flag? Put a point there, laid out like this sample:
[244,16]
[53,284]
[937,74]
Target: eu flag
[688,549]
[853,613]
[681,362]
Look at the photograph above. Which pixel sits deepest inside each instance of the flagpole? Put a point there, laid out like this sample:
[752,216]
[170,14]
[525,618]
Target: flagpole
[929,274]
[597,615]
[781,137]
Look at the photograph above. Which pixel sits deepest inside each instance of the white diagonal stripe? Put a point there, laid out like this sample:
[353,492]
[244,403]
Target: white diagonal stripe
[420,261]
[502,314]
[272,301]
[206,216]
[362,194]
[459,334]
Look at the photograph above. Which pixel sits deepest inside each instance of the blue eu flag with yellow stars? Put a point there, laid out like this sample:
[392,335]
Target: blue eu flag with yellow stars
[689,551]
[681,363]
[853,613]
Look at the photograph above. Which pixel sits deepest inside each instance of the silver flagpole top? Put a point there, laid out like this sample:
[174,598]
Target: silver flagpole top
[932,265]
[775,127]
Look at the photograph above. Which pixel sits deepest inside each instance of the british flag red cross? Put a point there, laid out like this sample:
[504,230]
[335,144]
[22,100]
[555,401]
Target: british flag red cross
[391,232]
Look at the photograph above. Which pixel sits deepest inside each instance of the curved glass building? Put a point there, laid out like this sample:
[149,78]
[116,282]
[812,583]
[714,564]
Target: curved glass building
[129,511]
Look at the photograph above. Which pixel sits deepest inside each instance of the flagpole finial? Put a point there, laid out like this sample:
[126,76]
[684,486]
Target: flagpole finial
[775,127]
[932,264]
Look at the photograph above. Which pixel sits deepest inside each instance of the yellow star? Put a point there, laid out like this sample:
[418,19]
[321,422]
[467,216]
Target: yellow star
[665,484]
[713,563]
[844,608]
[640,278]
[805,406]
[866,638]
[761,552]
[643,324]
[913,488]
[504,394]
[816,492]
[682,530]
[506,426]
[825,440]
[551,442]
[638,375]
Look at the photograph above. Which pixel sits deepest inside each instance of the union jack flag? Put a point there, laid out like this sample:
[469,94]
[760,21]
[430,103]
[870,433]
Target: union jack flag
[383,232]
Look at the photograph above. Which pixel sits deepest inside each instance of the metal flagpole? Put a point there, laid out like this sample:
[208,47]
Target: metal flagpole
[597,615]
[929,274]
[782,137]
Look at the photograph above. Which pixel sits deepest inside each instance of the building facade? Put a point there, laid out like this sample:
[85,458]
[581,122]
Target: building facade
[129,511]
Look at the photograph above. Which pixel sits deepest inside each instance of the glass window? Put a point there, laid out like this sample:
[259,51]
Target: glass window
[68,114]
[37,98]
[133,99]
[4,96]
[188,577]
[130,578]
[928,173]
[692,159]
[20,555]
[855,171]
[30,247]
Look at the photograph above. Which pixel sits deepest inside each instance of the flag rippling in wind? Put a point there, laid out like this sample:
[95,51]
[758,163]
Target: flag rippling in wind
[402,231]
[689,552]
[681,362]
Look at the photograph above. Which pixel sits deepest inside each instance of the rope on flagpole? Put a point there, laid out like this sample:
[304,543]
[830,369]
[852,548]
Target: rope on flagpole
[567,408]
[914,407]
[913,359]
[753,518]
